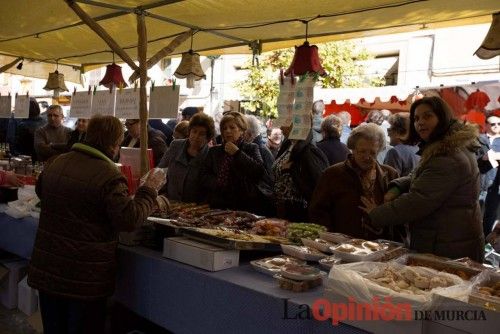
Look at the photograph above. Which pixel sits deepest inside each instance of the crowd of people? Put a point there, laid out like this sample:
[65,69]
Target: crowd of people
[423,189]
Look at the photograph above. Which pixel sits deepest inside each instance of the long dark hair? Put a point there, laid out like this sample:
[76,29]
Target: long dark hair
[443,113]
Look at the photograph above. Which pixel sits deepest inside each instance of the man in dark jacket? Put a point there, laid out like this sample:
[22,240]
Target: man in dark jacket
[156,139]
[73,264]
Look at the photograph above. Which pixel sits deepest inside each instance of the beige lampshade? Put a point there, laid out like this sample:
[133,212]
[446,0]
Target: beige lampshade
[491,45]
[190,68]
[56,82]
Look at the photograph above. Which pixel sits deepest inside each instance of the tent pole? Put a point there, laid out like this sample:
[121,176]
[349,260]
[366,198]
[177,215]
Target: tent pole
[143,108]
[163,53]
[101,33]
[9,65]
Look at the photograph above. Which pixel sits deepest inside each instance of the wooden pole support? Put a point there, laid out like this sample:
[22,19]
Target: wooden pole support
[9,65]
[102,33]
[142,48]
[163,53]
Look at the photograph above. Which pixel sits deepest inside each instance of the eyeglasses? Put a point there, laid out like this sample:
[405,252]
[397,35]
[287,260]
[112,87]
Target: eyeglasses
[494,124]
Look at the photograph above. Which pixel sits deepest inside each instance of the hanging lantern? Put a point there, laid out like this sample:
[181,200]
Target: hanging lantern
[190,67]
[306,59]
[56,83]
[113,77]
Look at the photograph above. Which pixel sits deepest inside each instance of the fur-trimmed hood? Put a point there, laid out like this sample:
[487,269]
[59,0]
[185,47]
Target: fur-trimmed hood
[458,137]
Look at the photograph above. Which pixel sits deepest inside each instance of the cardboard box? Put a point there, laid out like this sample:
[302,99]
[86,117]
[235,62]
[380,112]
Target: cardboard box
[27,297]
[200,255]
[8,287]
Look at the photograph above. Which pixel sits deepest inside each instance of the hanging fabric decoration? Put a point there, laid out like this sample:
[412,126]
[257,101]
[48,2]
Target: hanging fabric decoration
[113,76]
[55,82]
[306,59]
[190,67]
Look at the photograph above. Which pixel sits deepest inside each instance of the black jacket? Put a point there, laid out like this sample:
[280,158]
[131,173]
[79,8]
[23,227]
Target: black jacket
[334,149]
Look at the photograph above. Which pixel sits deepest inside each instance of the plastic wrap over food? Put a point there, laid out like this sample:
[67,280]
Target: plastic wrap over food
[363,281]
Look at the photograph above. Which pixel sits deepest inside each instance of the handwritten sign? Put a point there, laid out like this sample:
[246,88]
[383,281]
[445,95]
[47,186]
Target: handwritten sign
[302,108]
[103,103]
[285,104]
[164,102]
[5,106]
[22,106]
[127,103]
[81,105]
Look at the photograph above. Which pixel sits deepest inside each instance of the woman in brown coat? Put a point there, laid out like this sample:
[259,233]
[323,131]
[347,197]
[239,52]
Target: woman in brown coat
[337,197]
[439,200]
[85,203]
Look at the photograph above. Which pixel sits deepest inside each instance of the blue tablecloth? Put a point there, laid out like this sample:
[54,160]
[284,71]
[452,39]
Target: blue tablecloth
[18,235]
[185,299]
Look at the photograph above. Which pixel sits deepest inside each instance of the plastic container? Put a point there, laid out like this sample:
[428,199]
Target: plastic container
[300,272]
[303,252]
[358,254]
[334,237]
[329,262]
[319,244]
[272,265]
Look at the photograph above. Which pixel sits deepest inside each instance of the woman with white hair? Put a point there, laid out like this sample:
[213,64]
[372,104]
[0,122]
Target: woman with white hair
[337,197]
[252,135]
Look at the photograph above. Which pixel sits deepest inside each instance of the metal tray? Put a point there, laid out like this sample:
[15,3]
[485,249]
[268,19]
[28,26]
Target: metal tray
[202,235]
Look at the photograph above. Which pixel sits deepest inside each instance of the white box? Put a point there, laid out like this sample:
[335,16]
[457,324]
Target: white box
[8,288]
[27,298]
[200,255]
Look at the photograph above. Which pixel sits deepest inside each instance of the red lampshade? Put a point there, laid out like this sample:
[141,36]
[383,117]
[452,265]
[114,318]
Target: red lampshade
[113,76]
[306,59]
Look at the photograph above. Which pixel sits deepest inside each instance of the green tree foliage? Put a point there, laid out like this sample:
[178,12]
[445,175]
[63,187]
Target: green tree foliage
[342,61]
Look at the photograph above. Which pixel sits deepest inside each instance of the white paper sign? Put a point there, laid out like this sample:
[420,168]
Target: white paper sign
[302,108]
[5,106]
[285,104]
[164,102]
[81,105]
[22,108]
[127,103]
[103,103]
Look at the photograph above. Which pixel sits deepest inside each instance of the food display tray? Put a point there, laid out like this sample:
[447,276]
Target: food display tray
[204,235]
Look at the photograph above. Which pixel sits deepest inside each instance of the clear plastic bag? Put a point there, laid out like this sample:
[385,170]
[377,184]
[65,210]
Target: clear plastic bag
[350,280]
[158,185]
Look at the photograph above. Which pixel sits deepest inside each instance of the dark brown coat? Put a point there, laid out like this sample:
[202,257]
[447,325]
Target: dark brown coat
[84,204]
[337,197]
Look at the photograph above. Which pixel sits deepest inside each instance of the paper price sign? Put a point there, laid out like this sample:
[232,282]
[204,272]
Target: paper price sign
[22,106]
[81,105]
[103,103]
[5,106]
[164,102]
[127,103]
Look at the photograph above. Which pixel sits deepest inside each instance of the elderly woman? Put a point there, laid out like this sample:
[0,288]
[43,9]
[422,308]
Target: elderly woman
[185,158]
[296,171]
[401,156]
[337,197]
[439,200]
[331,130]
[233,170]
[252,135]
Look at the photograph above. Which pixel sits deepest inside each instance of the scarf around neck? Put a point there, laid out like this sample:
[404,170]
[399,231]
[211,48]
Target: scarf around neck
[225,167]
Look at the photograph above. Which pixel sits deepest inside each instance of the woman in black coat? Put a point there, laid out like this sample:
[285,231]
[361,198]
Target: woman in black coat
[334,149]
[297,168]
[233,170]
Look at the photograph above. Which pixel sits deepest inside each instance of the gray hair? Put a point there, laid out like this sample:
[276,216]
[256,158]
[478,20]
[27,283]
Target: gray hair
[368,131]
[254,125]
[375,116]
[345,117]
[400,123]
[332,126]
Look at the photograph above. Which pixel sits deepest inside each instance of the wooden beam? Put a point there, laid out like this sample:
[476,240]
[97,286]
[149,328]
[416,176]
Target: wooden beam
[9,65]
[102,33]
[163,53]
[143,108]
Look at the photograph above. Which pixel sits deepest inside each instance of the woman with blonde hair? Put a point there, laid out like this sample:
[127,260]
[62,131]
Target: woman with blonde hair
[233,170]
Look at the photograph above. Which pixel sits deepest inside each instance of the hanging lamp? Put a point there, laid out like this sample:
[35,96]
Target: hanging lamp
[190,67]
[55,82]
[306,59]
[113,76]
